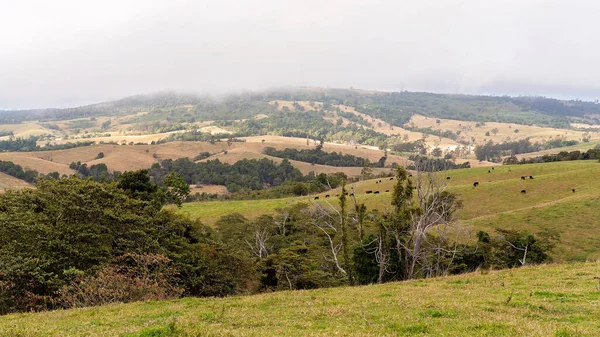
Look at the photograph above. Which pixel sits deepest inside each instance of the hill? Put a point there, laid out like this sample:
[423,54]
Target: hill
[135,157]
[550,300]
[11,183]
[549,203]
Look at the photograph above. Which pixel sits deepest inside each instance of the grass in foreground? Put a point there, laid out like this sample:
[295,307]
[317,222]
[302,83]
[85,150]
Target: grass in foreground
[552,300]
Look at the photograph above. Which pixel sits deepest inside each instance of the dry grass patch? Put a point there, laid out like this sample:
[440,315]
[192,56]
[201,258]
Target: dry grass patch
[11,183]
[25,130]
[505,131]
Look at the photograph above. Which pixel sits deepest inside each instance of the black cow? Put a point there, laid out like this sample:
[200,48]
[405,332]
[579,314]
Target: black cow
[376,192]
[489,171]
[530,177]
[326,195]
[389,190]
[523,191]
[369,192]
[379,180]
[573,190]
[316,198]
[410,175]
[475,184]
[522,178]
[447,178]
[492,168]
[391,178]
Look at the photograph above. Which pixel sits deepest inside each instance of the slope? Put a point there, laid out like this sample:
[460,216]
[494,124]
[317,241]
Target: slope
[8,182]
[548,204]
[551,300]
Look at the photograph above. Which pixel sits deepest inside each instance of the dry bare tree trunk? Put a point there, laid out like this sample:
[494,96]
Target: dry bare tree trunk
[259,244]
[436,209]
[325,222]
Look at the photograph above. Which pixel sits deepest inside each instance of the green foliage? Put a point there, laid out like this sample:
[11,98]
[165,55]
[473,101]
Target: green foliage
[418,146]
[30,144]
[317,156]
[561,156]
[310,124]
[397,107]
[243,175]
[137,184]
[493,152]
[17,171]
[435,164]
[177,189]
[69,229]
[512,248]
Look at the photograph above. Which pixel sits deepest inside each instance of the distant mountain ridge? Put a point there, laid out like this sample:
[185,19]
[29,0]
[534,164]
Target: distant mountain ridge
[393,107]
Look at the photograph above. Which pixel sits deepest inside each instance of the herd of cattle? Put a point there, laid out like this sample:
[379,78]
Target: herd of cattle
[475,184]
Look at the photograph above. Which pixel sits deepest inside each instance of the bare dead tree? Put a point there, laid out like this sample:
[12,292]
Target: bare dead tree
[436,208]
[523,261]
[327,223]
[258,244]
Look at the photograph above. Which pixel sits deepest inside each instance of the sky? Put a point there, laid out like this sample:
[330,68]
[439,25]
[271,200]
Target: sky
[66,53]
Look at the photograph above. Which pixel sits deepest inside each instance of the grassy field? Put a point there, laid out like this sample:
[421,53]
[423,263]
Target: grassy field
[504,130]
[549,203]
[551,300]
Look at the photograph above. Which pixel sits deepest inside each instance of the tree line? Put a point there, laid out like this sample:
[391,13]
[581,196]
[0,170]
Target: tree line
[245,174]
[318,156]
[491,151]
[561,156]
[30,144]
[434,164]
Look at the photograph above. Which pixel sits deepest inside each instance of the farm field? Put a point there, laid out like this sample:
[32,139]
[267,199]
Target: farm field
[549,202]
[504,130]
[135,157]
[11,183]
[547,300]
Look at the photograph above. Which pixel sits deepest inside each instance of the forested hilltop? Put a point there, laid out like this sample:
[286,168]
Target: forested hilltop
[393,107]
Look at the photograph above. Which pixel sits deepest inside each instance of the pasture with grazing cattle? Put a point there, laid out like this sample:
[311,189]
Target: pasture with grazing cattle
[497,202]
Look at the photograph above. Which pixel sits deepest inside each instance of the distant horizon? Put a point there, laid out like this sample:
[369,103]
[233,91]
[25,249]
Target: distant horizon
[90,102]
[69,53]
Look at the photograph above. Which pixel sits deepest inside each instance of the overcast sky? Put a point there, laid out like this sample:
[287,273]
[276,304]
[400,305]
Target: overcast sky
[70,52]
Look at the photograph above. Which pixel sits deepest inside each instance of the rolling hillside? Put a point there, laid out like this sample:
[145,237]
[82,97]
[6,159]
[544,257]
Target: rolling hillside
[550,300]
[135,157]
[549,204]
[11,183]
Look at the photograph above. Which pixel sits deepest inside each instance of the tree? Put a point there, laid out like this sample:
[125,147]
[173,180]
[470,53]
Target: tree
[343,225]
[137,184]
[106,125]
[177,189]
[367,172]
[434,212]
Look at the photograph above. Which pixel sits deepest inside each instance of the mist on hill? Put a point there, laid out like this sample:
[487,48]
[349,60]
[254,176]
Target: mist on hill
[68,53]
